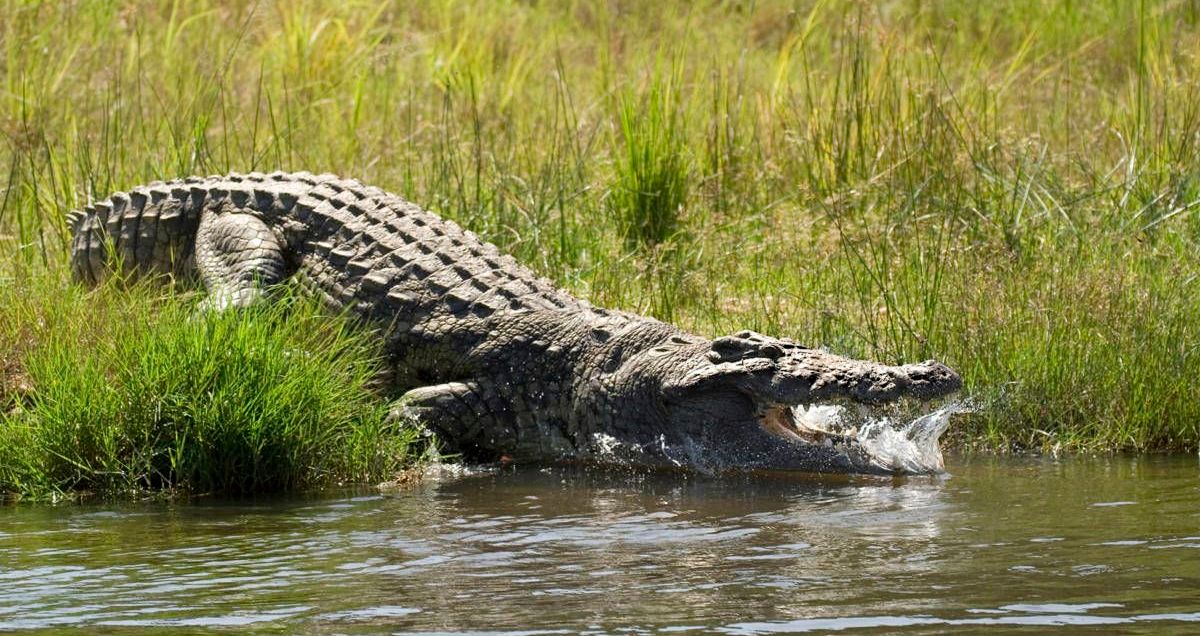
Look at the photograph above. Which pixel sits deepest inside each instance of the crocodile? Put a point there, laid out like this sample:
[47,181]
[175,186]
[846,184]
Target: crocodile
[498,362]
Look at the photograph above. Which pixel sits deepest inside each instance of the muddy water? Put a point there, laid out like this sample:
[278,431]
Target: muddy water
[1042,544]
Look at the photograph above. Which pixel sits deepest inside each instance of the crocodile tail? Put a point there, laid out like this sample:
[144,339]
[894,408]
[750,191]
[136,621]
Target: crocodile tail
[150,229]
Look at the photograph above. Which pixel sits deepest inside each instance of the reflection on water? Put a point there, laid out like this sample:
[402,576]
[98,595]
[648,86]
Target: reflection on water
[1001,543]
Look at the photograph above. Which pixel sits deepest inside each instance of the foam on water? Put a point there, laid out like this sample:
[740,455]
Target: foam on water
[900,442]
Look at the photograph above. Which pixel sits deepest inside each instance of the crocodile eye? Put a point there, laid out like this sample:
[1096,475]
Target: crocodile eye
[771,351]
[729,348]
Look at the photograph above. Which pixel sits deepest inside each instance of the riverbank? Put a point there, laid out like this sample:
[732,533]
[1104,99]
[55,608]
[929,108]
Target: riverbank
[1010,187]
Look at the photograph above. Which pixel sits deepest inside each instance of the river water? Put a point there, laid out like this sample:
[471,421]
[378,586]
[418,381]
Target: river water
[1033,544]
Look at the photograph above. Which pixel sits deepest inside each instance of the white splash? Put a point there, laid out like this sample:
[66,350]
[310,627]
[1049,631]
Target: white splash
[896,442]
[605,445]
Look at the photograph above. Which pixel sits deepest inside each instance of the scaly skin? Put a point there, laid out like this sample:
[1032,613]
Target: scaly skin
[494,359]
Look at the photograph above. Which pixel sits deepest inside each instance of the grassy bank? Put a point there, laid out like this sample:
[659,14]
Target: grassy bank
[125,391]
[1009,186]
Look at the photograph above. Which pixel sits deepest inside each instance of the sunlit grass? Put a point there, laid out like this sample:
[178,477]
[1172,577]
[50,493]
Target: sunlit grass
[652,172]
[1008,186]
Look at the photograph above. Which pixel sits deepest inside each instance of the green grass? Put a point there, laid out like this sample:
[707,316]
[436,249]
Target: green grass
[1009,186]
[125,391]
[652,172]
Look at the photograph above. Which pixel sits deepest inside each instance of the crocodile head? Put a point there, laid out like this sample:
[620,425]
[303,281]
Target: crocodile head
[731,403]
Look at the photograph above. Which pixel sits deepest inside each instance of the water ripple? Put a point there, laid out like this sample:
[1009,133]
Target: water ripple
[589,552]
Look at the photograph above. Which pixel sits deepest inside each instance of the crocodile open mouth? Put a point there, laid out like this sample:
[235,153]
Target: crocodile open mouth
[780,420]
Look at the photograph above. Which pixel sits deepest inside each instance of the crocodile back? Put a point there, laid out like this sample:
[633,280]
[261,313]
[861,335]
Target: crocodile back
[356,246]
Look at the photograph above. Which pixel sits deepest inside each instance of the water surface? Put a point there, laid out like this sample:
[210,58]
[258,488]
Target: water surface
[1039,544]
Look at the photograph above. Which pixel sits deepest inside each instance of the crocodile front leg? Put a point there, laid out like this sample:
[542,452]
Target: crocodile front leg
[482,422]
[237,257]
[460,411]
